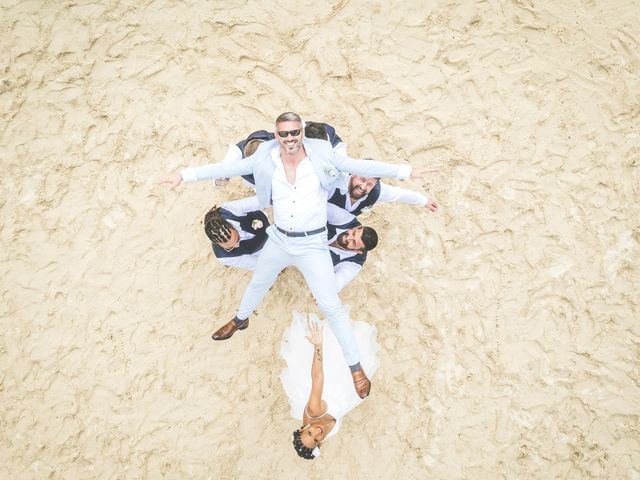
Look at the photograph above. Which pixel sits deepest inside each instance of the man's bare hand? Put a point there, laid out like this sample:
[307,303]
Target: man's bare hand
[419,172]
[172,180]
[433,206]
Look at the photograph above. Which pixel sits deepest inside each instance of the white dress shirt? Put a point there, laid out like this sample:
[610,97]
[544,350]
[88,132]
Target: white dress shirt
[301,206]
[345,271]
[233,153]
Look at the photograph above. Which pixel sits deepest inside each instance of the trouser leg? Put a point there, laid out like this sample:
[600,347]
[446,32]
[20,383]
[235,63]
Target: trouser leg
[317,269]
[271,262]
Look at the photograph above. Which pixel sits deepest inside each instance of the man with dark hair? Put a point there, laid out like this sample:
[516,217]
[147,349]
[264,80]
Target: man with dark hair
[315,130]
[236,235]
[295,174]
[349,243]
[324,131]
[357,194]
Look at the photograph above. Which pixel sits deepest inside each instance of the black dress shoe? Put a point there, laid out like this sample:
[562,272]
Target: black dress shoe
[229,329]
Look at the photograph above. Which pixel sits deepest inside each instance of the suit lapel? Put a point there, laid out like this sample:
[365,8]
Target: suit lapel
[319,163]
[264,178]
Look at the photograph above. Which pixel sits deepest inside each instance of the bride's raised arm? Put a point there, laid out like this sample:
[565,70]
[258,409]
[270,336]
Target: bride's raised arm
[315,406]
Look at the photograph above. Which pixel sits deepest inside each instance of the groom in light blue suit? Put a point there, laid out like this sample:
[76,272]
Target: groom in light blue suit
[295,174]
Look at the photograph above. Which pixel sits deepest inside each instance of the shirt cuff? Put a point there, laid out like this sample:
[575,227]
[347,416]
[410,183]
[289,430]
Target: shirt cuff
[404,172]
[188,175]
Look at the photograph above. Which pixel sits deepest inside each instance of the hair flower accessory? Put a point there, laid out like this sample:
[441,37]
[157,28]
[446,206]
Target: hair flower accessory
[256,224]
[316,452]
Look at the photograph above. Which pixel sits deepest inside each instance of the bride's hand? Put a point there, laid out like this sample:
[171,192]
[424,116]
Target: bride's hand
[315,333]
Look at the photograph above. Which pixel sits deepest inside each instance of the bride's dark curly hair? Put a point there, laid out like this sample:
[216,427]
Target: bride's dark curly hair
[301,450]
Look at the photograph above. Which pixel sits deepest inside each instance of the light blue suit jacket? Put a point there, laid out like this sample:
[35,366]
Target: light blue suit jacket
[326,163]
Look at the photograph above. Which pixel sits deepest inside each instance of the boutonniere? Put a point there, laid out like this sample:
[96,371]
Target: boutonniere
[332,172]
[256,224]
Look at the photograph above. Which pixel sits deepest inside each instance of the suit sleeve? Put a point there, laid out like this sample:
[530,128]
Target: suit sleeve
[219,170]
[242,206]
[248,262]
[370,168]
[340,149]
[233,154]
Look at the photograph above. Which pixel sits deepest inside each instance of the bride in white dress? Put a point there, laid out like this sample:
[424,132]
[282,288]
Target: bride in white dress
[317,379]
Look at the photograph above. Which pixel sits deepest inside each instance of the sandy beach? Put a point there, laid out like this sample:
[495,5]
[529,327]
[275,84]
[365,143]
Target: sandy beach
[508,321]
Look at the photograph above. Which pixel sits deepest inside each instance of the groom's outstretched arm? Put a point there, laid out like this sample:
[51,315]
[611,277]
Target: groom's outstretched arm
[209,172]
[213,171]
[376,169]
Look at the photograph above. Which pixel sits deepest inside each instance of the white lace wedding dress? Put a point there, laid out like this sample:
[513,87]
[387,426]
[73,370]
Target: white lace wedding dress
[338,390]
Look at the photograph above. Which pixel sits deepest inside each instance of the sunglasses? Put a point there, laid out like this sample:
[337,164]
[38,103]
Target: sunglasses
[293,133]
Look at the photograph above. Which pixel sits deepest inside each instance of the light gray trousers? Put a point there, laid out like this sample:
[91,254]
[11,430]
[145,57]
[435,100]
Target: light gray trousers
[311,256]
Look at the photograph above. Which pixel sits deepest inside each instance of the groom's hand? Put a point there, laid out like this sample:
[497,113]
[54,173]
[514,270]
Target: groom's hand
[433,206]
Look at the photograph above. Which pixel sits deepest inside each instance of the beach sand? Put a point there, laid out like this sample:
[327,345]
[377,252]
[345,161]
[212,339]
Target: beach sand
[508,321]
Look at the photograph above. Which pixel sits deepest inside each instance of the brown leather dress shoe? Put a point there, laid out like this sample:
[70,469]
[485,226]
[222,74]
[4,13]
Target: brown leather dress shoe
[362,383]
[229,329]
